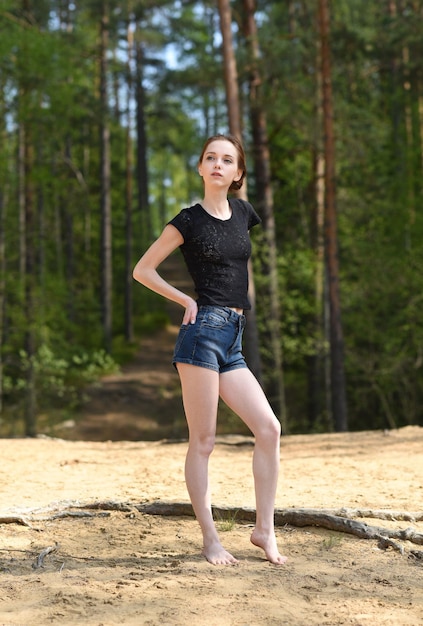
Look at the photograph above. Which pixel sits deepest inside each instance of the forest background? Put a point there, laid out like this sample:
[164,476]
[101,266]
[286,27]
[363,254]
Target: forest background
[104,107]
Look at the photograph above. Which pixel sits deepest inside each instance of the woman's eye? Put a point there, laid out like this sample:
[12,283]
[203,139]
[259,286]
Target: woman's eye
[210,158]
[228,161]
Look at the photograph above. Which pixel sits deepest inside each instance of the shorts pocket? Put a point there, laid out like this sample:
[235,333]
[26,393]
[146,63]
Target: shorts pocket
[215,319]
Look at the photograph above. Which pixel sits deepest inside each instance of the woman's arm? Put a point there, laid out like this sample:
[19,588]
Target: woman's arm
[145,271]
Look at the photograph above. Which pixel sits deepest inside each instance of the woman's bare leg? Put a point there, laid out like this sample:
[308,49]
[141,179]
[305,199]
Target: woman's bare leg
[241,391]
[200,393]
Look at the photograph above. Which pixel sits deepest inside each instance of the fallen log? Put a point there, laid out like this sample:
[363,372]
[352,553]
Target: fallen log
[300,518]
[340,520]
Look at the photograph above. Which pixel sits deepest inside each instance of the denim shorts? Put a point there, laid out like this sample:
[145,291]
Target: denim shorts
[214,341]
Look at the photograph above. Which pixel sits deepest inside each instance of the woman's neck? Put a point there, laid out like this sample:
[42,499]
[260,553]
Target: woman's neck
[217,205]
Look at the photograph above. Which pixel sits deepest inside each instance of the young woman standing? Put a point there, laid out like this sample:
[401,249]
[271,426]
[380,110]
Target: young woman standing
[214,239]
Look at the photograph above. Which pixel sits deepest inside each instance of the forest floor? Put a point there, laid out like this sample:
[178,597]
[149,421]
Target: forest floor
[61,563]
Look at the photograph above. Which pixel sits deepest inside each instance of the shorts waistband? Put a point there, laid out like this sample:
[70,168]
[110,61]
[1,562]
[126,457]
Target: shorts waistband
[232,313]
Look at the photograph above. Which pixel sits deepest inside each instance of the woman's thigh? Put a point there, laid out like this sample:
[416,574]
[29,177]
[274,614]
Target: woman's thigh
[200,395]
[241,391]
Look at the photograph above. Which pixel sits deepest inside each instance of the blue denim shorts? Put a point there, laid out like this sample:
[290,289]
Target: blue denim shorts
[214,341]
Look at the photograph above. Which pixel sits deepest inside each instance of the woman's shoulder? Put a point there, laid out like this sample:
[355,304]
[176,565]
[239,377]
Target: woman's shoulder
[242,205]
[239,202]
[186,214]
[185,221]
[247,209]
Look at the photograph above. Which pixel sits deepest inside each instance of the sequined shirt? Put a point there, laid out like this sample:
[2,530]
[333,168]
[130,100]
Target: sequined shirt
[216,252]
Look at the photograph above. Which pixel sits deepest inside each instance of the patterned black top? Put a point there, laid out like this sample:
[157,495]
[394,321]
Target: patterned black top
[216,252]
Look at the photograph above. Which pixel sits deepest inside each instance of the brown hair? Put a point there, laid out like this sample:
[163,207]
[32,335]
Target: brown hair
[236,184]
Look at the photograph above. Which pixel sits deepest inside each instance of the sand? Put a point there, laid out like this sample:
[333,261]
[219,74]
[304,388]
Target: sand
[126,567]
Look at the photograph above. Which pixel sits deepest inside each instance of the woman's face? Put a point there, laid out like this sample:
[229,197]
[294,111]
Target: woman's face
[219,165]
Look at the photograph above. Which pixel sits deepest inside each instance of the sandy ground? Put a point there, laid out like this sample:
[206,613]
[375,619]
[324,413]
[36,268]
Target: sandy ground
[126,567]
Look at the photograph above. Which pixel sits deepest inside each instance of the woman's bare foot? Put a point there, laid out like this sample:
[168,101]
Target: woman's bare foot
[216,554]
[268,544]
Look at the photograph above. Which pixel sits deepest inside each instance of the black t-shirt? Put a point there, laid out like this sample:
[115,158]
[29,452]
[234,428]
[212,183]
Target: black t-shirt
[216,252]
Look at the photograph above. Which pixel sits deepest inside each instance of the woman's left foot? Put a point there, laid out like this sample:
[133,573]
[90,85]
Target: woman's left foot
[268,544]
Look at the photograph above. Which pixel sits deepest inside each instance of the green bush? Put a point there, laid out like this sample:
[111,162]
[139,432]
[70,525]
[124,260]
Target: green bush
[59,380]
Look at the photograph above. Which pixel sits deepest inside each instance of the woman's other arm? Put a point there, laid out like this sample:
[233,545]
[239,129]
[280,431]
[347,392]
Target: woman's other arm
[145,271]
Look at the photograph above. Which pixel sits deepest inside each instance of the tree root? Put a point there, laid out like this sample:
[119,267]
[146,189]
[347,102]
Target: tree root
[14,519]
[39,562]
[340,520]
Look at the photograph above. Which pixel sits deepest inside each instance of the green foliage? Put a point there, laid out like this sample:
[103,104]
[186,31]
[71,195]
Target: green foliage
[49,82]
[60,381]
[226,522]
[333,541]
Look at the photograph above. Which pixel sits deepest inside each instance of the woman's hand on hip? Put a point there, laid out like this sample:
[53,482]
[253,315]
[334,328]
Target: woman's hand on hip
[191,311]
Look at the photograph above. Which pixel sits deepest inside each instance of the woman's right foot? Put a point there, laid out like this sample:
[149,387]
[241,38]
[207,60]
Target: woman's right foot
[216,554]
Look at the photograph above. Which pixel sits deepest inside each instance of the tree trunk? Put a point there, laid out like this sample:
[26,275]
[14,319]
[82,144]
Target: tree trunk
[230,71]
[68,220]
[106,206]
[30,279]
[21,195]
[26,229]
[413,127]
[338,390]
[319,400]
[129,330]
[251,339]
[396,100]
[2,287]
[142,169]
[87,209]
[316,360]
[265,208]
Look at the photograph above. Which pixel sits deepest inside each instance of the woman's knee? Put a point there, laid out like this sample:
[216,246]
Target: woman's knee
[269,431]
[202,444]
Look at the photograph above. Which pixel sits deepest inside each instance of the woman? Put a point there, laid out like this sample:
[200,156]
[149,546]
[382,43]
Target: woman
[214,239]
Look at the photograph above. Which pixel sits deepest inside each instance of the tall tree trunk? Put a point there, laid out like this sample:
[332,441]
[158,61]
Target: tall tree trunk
[129,330]
[68,220]
[315,361]
[416,106]
[26,224]
[230,71]
[106,205]
[338,388]
[4,193]
[30,280]
[142,169]
[3,202]
[396,95]
[319,404]
[67,201]
[265,208]
[251,339]
[87,209]
[413,125]
[21,195]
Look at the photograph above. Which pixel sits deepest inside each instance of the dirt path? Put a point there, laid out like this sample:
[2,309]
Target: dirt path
[143,401]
